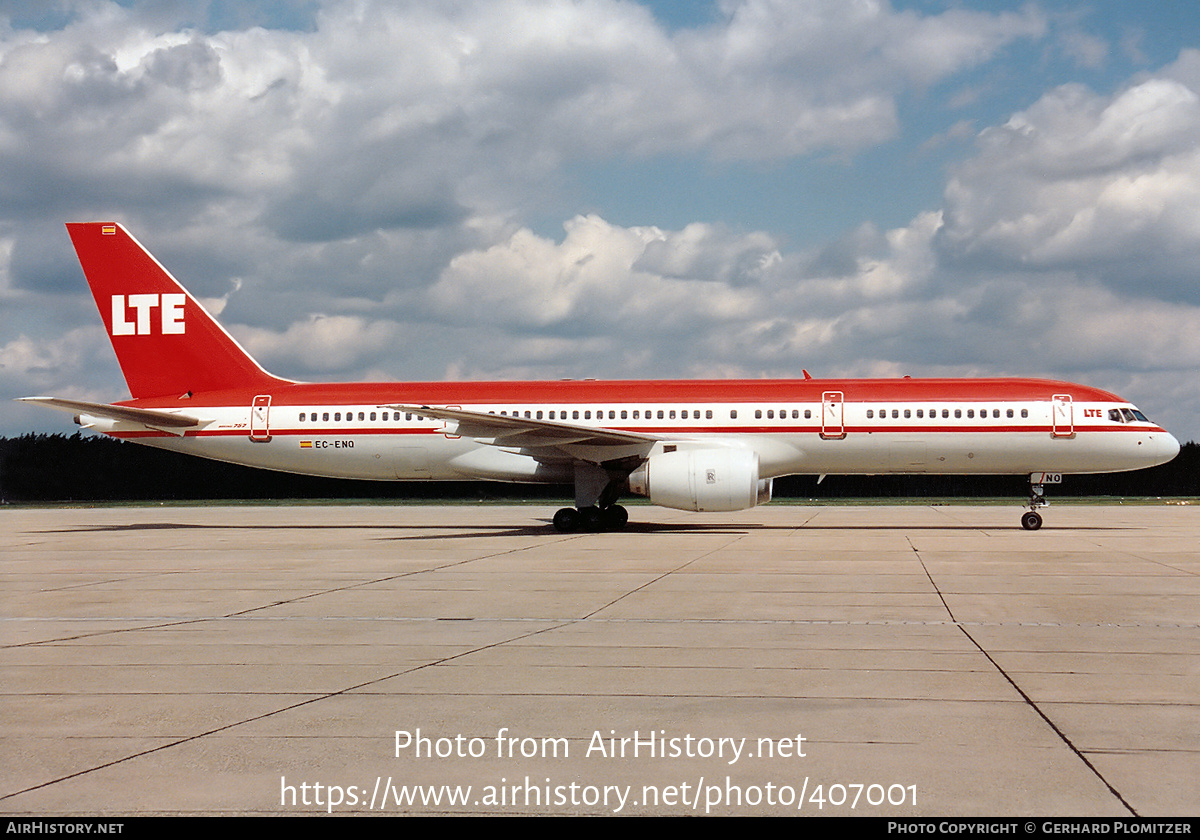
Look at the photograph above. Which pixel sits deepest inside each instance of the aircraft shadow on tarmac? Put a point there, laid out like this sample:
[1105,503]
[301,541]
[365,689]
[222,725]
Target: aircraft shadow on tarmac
[438,532]
[471,530]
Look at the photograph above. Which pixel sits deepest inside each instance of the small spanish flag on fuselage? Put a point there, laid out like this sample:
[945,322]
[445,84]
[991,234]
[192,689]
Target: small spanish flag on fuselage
[306,444]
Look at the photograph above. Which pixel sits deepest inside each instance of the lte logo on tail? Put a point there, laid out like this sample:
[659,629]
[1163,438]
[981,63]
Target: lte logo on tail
[170,307]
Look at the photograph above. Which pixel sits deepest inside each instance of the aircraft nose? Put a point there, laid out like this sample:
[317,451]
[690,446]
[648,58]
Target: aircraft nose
[1164,446]
[1172,445]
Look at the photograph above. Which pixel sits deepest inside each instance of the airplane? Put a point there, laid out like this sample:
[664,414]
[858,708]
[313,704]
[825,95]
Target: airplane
[697,445]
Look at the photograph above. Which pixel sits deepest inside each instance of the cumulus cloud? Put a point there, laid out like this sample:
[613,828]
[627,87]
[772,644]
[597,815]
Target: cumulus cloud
[321,343]
[685,302]
[71,365]
[393,115]
[628,282]
[1110,184]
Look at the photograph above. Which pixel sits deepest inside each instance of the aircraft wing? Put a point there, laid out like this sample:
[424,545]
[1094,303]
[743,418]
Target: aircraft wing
[155,418]
[589,443]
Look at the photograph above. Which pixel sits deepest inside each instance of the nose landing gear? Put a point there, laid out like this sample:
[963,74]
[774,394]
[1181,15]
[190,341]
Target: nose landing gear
[1031,520]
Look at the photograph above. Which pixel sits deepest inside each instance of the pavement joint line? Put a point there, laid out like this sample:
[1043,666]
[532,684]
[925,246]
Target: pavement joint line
[1024,695]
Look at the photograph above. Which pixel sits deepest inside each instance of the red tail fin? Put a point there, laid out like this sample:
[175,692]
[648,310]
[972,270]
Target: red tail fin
[166,343]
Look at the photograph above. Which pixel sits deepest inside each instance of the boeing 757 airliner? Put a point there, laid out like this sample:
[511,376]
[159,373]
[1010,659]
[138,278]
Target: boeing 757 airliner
[712,445]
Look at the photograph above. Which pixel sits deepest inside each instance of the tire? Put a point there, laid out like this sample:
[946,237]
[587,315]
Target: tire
[567,520]
[1031,520]
[592,518]
[615,518]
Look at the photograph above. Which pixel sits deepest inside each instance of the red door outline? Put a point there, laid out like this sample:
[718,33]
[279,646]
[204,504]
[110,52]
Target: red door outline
[447,434]
[833,425]
[1062,416]
[260,419]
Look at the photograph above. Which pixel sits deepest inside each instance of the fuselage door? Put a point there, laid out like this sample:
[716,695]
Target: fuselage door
[260,413]
[1062,423]
[447,434]
[833,427]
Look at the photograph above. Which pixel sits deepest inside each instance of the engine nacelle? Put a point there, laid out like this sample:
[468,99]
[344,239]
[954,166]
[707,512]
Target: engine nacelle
[702,479]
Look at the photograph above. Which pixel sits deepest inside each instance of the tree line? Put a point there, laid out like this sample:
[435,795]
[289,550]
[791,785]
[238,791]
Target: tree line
[61,468]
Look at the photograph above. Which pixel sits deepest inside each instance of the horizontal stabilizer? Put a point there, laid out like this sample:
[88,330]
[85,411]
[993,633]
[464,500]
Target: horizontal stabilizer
[155,418]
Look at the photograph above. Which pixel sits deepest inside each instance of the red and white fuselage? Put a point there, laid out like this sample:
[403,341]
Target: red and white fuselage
[818,427]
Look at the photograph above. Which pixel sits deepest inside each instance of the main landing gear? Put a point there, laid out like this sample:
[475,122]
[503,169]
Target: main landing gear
[597,487]
[591,518]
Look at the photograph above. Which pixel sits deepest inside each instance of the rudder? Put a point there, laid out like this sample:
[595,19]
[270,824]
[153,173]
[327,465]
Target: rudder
[166,342]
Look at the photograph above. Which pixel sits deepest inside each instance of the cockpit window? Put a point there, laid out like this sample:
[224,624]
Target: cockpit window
[1126,415]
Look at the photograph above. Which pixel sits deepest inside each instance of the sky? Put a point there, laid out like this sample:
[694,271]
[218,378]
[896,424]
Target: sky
[546,189]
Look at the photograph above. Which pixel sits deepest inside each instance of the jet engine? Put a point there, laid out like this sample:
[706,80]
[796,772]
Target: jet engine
[702,479]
